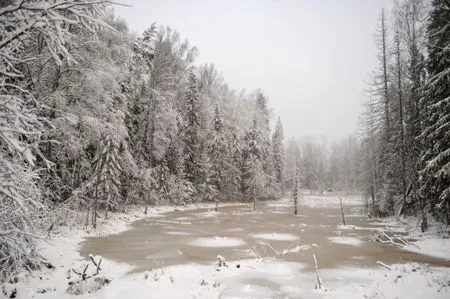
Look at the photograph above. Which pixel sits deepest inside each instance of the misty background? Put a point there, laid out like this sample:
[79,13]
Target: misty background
[311,58]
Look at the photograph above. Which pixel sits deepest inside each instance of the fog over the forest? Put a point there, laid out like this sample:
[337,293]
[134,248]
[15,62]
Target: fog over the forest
[310,57]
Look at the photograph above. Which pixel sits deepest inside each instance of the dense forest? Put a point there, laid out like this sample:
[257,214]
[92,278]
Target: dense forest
[405,136]
[93,118]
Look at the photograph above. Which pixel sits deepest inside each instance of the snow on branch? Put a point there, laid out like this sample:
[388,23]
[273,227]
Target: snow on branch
[52,23]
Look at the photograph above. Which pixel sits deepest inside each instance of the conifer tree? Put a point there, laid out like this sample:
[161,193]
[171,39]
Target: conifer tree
[106,178]
[234,181]
[217,152]
[278,152]
[435,158]
[192,141]
[262,117]
[255,179]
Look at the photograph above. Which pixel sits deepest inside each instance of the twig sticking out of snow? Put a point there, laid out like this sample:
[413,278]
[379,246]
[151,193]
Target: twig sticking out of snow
[293,248]
[270,246]
[319,281]
[342,212]
[97,265]
[83,275]
[296,248]
[384,265]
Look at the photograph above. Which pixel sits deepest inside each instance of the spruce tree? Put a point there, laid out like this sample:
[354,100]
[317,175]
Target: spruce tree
[435,158]
[278,152]
[106,177]
[217,152]
[255,179]
[192,140]
[262,118]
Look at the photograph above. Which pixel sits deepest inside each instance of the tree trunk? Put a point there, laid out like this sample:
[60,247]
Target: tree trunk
[296,194]
[86,225]
[94,222]
[402,133]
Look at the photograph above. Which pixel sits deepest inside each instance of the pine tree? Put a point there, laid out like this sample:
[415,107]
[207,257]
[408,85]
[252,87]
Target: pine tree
[262,117]
[278,152]
[398,155]
[218,153]
[106,178]
[255,179]
[379,127]
[435,158]
[234,181]
[411,18]
[192,141]
[174,154]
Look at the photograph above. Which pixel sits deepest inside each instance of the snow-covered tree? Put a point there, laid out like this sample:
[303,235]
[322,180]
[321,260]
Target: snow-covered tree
[278,151]
[233,183]
[255,178]
[22,22]
[435,157]
[192,139]
[106,176]
[218,152]
[262,117]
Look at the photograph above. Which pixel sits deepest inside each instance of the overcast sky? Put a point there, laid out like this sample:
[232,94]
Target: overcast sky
[311,57]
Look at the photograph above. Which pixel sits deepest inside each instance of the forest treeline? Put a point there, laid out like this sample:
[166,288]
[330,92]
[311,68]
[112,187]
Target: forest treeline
[405,136]
[93,118]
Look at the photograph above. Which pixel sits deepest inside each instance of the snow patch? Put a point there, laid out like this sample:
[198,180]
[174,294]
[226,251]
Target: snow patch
[217,242]
[177,233]
[346,240]
[275,237]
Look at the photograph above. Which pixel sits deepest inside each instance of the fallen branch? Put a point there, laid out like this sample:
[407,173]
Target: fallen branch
[82,275]
[384,238]
[403,239]
[269,258]
[270,246]
[384,265]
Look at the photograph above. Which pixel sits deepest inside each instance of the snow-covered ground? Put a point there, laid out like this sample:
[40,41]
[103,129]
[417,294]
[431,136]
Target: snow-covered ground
[435,242]
[246,278]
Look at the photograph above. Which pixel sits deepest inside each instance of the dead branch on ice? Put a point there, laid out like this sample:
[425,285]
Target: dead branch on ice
[270,246]
[293,248]
[404,240]
[384,265]
[396,240]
